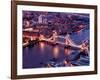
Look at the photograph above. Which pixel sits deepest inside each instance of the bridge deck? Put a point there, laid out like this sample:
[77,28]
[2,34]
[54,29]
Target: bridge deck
[62,43]
[71,43]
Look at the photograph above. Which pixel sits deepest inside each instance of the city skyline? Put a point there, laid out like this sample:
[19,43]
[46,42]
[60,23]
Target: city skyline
[56,39]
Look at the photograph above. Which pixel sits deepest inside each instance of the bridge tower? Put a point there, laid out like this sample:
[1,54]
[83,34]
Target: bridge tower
[54,36]
[67,40]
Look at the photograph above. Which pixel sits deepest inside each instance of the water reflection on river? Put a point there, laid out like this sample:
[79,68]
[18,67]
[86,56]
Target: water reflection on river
[36,56]
[42,53]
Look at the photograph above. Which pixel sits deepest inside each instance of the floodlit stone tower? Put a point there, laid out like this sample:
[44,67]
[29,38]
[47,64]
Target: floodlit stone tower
[40,20]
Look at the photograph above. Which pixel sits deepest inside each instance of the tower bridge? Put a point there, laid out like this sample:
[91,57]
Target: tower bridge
[54,39]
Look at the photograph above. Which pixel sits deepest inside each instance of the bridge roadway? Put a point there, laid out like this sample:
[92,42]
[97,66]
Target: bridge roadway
[53,39]
[68,42]
[71,43]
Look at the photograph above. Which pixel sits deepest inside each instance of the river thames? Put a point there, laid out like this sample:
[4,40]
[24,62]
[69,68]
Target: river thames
[43,53]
